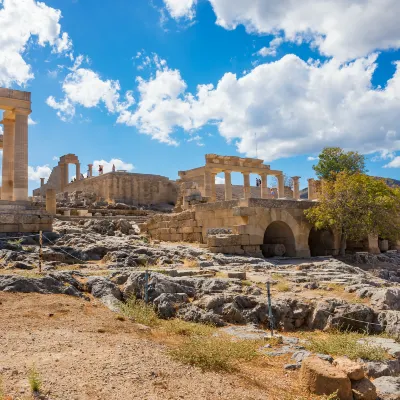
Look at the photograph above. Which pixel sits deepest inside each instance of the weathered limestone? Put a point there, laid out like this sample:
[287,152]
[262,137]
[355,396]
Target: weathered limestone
[8,160]
[311,189]
[51,204]
[90,170]
[246,185]
[21,155]
[228,185]
[281,186]
[264,186]
[41,182]
[296,187]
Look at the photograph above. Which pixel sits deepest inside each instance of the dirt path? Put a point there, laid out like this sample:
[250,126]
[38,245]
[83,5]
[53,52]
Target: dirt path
[83,352]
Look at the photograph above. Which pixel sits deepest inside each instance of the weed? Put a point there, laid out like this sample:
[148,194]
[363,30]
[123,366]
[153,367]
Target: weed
[140,312]
[35,382]
[277,276]
[247,283]
[282,287]
[183,328]
[215,353]
[120,318]
[338,343]
[336,287]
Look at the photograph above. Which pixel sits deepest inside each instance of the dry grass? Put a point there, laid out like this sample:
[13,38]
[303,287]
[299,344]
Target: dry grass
[282,286]
[190,263]
[140,312]
[215,353]
[338,343]
[35,381]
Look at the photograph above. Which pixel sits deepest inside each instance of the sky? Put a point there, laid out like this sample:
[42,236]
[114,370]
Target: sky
[153,85]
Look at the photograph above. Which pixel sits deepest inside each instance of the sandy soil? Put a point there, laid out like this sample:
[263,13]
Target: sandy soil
[83,352]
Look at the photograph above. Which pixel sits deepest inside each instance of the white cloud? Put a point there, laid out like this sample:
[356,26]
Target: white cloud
[160,107]
[219,180]
[35,173]
[312,158]
[31,121]
[181,8]
[294,107]
[395,163]
[271,50]
[56,158]
[84,87]
[196,139]
[107,165]
[22,21]
[345,29]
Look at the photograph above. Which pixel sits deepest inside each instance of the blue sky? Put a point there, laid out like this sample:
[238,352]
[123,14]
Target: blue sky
[121,81]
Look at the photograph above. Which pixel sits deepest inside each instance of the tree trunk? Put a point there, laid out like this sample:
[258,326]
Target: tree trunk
[343,240]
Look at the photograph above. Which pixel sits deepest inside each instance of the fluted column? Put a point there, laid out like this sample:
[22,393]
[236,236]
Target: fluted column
[281,186]
[311,189]
[7,191]
[228,185]
[21,156]
[51,203]
[90,171]
[41,182]
[246,185]
[78,171]
[213,187]
[207,184]
[296,187]
[264,186]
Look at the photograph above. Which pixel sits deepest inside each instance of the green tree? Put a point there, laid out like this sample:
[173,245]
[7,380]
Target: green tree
[333,160]
[357,205]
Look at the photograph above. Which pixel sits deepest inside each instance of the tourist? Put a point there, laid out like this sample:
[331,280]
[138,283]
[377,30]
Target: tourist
[100,170]
[113,168]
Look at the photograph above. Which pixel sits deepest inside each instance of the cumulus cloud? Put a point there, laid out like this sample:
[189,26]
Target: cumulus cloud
[181,8]
[345,29]
[31,121]
[22,21]
[84,87]
[35,173]
[294,107]
[219,180]
[107,165]
[395,163]
[312,158]
[271,50]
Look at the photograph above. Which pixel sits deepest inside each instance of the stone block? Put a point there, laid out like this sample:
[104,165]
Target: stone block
[244,211]
[197,229]
[352,369]
[251,249]
[256,240]
[240,229]
[215,249]
[322,378]
[237,274]
[166,237]
[245,240]
[7,218]
[164,231]
[187,229]
[176,237]
[364,389]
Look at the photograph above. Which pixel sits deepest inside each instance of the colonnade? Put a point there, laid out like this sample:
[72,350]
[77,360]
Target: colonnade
[210,186]
[15,155]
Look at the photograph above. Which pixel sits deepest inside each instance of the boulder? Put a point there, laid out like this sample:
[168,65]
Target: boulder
[390,321]
[376,369]
[352,369]
[321,378]
[363,389]
[387,299]
[192,313]
[388,387]
[168,303]
[354,317]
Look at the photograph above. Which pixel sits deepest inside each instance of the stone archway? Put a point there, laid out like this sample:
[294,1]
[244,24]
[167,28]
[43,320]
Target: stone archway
[279,233]
[63,165]
[321,242]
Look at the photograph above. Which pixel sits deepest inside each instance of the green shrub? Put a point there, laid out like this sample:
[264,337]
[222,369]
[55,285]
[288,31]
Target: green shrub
[140,312]
[35,382]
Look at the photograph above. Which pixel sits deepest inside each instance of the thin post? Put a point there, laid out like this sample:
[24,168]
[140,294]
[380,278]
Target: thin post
[270,316]
[146,286]
[40,250]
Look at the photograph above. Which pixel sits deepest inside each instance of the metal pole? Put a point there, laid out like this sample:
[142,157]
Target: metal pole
[255,135]
[270,316]
[146,286]
[40,250]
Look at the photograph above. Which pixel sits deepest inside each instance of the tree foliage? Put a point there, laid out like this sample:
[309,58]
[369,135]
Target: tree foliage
[358,205]
[333,160]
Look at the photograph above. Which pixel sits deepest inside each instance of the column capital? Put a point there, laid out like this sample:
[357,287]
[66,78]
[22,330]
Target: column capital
[296,178]
[22,111]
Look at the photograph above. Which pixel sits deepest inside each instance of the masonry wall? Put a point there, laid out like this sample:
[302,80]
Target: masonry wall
[123,187]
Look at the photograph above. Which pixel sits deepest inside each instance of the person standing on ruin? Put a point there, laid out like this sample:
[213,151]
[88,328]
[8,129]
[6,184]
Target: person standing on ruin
[113,168]
[100,170]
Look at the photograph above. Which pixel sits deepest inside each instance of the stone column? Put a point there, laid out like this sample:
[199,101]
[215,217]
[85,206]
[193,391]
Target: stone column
[62,177]
[246,185]
[207,184]
[41,182]
[228,185]
[296,187]
[78,171]
[90,171]
[7,192]
[264,186]
[213,188]
[51,204]
[281,186]
[311,189]
[21,156]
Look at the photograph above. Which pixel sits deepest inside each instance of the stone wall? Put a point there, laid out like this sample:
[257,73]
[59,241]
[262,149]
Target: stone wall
[123,187]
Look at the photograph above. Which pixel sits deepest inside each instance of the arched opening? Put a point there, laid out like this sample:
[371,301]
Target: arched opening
[321,242]
[353,246]
[279,233]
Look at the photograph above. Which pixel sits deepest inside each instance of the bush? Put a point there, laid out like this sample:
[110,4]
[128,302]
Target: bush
[345,344]
[183,328]
[215,353]
[140,312]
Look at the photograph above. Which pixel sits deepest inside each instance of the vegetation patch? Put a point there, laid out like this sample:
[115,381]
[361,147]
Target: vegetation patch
[215,353]
[35,381]
[140,312]
[338,343]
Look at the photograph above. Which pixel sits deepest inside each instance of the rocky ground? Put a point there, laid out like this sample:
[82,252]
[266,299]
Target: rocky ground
[105,261]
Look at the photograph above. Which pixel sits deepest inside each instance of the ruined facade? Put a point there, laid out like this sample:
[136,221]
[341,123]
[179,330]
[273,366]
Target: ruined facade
[118,187]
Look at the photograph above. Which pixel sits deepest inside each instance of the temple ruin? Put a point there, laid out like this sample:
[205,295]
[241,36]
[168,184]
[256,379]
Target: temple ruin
[16,213]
